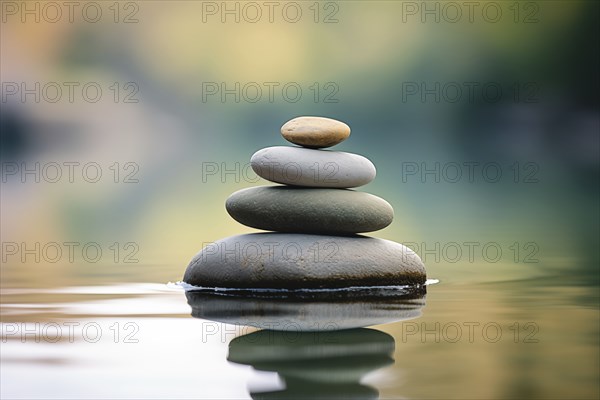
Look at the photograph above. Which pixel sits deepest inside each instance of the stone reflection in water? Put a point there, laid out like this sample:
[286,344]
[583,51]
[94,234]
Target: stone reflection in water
[308,311]
[316,364]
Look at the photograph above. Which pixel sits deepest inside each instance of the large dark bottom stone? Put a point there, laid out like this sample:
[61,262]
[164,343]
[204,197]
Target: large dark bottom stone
[292,261]
[309,311]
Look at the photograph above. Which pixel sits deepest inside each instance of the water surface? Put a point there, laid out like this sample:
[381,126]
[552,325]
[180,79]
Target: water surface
[474,335]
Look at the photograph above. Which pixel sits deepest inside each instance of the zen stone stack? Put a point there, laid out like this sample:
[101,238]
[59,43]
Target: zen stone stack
[314,220]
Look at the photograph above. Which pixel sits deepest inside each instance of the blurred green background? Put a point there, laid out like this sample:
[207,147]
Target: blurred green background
[171,145]
[364,58]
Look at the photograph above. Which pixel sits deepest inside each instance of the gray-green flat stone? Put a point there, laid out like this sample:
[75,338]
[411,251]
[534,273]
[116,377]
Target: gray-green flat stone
[321,365]
[292,261]
[309,167]
[309,210]
[269,346]
[320,362]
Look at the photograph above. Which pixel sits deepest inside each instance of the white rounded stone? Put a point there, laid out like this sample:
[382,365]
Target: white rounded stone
[309,167]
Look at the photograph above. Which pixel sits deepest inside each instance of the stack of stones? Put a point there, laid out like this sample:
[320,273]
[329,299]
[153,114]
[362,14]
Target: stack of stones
[314,219]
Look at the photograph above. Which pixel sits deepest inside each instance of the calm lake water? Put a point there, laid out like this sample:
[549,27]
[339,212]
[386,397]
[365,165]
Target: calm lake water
[476,334]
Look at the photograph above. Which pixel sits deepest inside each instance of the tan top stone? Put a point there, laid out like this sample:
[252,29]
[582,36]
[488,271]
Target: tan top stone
[315,132]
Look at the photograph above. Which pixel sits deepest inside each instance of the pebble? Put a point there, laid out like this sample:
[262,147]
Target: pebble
[293,261]
[309,210]
[315,132]
[316,168]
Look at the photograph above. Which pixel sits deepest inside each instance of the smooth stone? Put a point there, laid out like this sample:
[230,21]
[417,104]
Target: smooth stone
[297,389]
[309,167]
[299,261]
[309,210]
[308,311]
[315,132]
[316,364]
[269,346]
